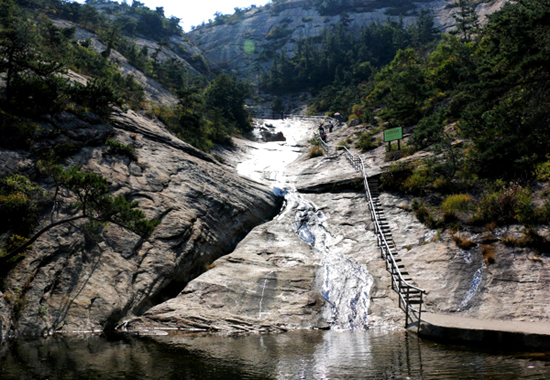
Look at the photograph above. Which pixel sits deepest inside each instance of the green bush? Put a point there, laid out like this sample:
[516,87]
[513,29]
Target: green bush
[20,204]
[509,204]
[116,147]
[418,181]
[456,206]
[542,170]
[34,96]
[343,144]
[98,94]
[425,214]
[367,142]
[394,178]
[315,151]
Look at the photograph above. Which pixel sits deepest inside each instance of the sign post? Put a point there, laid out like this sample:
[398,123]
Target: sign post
[392,135]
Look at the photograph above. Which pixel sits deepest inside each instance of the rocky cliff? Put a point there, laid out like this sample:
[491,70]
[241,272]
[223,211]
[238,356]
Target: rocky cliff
[275,280]
[70,281]
[244,42]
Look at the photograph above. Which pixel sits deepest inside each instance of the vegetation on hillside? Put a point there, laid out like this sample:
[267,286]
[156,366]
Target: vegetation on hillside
[479,101]
[210,115]
[92,202]
[477,98]
[338,66]
[35,59]
[38,54]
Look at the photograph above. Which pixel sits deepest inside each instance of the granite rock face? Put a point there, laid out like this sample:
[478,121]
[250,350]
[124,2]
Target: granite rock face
[71,281]
[243,43]
[273,281]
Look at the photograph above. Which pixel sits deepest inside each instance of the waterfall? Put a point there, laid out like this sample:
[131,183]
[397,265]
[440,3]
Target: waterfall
[345,284]
[474,286]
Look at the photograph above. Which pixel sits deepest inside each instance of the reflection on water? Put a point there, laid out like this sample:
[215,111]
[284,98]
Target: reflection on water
[294,355]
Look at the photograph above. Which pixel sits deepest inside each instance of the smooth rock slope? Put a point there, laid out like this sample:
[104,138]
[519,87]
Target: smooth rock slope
[70,281]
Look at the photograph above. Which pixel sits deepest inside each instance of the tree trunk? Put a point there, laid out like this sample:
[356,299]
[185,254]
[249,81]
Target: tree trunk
[25,245]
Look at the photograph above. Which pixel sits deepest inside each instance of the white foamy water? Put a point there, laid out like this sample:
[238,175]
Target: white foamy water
[345,284]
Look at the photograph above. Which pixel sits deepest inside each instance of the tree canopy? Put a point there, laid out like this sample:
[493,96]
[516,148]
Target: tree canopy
[91,201]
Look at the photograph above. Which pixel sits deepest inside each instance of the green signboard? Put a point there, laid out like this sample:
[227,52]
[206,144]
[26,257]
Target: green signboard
[393,134]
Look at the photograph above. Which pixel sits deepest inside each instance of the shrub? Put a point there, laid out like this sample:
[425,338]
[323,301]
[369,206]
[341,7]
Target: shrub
[342,144]
[424,214]
[488,252]
[367,142]
[542,213]
[314,141]
[455,206]
[394,178]
[11,243]
[34,95]
[462,241]
[20,204]
[116,147]
[429,130]
[507,205]
[542,171]
[417,182]
[98,94]
[315,151]
[530,239]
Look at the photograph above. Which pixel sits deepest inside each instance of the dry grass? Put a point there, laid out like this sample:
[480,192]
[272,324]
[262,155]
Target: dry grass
[462,241]
[488,252]
[315,151]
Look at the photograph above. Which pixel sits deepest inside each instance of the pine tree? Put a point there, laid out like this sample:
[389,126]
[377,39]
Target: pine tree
[93,203]
[467,21]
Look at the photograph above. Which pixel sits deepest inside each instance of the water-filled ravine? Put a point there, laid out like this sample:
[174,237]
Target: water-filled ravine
[347,351]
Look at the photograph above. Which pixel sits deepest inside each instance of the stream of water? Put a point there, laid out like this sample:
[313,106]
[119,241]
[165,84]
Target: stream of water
[345,283]
[347,351]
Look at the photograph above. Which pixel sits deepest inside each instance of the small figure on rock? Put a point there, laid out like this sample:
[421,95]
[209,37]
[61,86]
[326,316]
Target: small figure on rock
[322,133]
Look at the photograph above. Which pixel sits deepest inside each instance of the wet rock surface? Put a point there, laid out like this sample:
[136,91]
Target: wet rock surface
[273,281]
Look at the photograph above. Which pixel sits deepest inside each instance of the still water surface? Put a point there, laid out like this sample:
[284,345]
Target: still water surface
[294,355]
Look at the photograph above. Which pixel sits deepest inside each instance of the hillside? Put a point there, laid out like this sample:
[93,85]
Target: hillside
[245,42]
[87,168]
